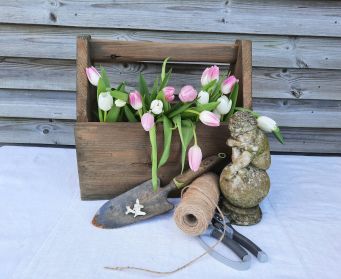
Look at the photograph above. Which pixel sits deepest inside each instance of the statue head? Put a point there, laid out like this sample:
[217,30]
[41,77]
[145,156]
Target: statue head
[242,124]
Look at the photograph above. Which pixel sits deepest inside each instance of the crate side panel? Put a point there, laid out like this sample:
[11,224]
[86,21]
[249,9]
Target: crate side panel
[113,158]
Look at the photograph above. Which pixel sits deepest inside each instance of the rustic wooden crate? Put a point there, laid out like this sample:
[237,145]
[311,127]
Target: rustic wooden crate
[114,157]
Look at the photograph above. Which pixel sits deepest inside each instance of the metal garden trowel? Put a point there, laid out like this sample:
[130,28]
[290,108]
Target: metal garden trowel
[141,202]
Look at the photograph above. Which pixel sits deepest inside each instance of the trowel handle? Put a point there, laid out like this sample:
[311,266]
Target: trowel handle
[207,164]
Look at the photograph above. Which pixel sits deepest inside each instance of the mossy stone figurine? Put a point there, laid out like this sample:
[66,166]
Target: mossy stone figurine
[244,182]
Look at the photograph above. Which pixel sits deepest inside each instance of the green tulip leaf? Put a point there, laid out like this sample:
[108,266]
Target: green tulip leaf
[179,110]
[209,106]
[186,134]
[164,82]
[216,91]
[163,70]
[167,139]
[143,86]
[154,90]
[175,107]
[129,114]
[113,114]
[209,86]
[278,135]
[119,95]
[190,116]
[105,78]
[121,87]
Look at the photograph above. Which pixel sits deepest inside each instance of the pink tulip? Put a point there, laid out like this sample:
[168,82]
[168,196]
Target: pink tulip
[135,99]
[209,118]
[147,121]
[209,74]
[228,84]
[187,94]
[169,93]
[93,75]
[194,157]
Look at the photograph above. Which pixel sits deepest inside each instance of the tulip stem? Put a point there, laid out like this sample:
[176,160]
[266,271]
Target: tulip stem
[140,113]
[105,116]
[152,136]
[194,134]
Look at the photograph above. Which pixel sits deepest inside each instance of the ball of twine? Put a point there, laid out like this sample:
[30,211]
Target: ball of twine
[198,203]
[192,216]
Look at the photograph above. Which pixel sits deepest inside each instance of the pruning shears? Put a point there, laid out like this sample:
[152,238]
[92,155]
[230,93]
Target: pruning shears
[233,240]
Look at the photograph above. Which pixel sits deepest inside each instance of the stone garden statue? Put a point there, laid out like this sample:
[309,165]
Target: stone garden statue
[244,182]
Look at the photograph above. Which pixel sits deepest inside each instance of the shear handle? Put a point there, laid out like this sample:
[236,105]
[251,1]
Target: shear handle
[249,245]
[233,245]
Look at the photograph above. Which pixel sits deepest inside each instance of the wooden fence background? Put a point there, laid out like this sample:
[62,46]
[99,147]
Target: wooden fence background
[296,60]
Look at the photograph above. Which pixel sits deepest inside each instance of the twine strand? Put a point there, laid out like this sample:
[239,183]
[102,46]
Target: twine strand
[200,200]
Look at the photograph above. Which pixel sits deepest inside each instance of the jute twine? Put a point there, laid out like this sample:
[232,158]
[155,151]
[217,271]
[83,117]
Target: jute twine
[197,206]
[193,216]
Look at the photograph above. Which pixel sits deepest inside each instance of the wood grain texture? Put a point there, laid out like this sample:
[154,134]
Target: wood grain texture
[108,141]
[301,113]
[308,18]
[36,131]
[60,75]
[308,140]
[242,69]
[268,50]
[120,51]
[83,86]
[37,104]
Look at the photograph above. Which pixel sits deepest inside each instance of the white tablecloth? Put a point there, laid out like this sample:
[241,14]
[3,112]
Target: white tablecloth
[45,229]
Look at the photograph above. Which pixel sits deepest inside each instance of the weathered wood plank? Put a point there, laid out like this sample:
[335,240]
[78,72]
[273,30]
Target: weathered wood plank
[301,113]
[268,51]
[297,83]
[308,140]
[317,18]
[37,104]
[125,51]
[122,145]
[38,74]
[60,75]
[82,84]
[242,69]
[38,131]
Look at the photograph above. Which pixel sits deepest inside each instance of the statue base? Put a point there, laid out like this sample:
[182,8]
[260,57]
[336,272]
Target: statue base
[241,216]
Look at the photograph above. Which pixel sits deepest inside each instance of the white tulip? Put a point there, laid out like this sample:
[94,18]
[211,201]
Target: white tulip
[266,124]
[225,105]
[156,106]
[119,103]
[105,101]
[203,97]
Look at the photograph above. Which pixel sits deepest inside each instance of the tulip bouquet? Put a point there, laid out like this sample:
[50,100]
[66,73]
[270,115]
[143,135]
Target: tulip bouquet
[215,103]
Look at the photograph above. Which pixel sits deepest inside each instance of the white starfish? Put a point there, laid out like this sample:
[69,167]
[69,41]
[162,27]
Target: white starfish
[129,210]
[136,209]
[137,205]
[139,213]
